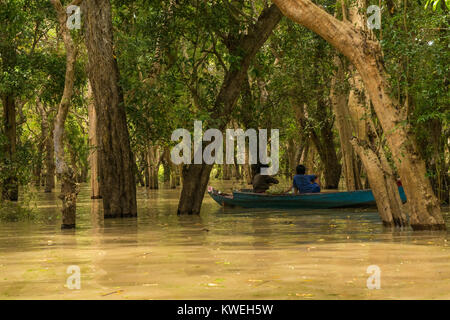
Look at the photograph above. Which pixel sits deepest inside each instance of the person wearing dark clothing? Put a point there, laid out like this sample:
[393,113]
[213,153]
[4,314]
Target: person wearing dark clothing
[305,183]
[261,183]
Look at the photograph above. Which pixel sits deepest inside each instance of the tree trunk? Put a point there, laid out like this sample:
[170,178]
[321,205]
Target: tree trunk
[69,188]
[154,161]
[166,165]
[84,172]
[93,147]
[324,143]
[327,153]
[37,166]
[338,97]
[146,170]
[195,180]
[117,179]
[195,177]
[140,167]
[226,172]
[10,186]
[366,55]
[293,154]
[378,182]
[174,177]
[49,161]
[376,164]
[236,173]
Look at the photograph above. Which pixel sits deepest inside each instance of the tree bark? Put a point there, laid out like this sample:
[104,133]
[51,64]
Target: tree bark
[166,162]
[93,146]
[69,188]
[49,163]
[364,127]
[366,55]
[338,97]
[49,160]
[379,183]
[10,186]
[226,172]
[117,179]
[196,177]
[37,168]
[323,141]
[154,161]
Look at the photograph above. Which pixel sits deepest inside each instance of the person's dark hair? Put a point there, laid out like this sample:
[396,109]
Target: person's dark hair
[300,169]
[255,169]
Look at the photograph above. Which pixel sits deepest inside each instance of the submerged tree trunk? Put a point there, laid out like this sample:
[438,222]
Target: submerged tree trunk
[93,146]
[366,55]
[117,178]
[196,176]
[69,188]
[10,186]
[369,145]
[379,182]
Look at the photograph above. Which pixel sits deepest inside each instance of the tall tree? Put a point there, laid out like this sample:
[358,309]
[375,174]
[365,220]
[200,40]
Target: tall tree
[11,23]
[365,54]
[117,179]
[69,187]
[244,48]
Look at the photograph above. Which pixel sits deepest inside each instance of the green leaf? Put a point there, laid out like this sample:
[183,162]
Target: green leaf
[435,4]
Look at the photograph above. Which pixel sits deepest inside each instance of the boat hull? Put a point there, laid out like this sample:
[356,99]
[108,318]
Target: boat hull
[325,200]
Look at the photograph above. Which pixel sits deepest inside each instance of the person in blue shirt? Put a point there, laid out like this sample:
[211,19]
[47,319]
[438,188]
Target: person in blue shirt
[305,183]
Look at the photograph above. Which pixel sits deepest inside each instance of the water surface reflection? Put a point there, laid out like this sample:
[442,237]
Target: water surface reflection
[221,254]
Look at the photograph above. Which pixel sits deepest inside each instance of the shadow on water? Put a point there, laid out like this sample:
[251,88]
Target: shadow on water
[222,253]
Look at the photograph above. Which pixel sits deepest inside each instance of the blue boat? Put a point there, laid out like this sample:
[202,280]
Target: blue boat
[322,200]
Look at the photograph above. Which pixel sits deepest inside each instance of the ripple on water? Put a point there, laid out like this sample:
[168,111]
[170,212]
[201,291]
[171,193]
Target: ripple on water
[221,254]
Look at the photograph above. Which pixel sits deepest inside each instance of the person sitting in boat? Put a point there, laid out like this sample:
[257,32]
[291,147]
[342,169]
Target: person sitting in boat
[261,183]
[305,183]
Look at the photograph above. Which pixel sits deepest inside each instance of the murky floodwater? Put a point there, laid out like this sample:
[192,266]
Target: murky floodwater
[221,254]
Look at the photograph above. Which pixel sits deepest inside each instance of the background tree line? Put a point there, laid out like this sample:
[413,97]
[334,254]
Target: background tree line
[115,90]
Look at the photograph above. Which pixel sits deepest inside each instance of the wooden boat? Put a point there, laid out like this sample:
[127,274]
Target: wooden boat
[322,200]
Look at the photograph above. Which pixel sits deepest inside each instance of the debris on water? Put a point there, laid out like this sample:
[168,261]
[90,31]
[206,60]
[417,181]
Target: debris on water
[114,292]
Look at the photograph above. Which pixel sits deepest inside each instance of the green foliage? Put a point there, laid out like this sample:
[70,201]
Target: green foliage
[173,57]
[436,4]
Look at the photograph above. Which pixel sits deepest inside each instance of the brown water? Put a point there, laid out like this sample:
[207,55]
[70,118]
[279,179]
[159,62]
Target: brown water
[221,254]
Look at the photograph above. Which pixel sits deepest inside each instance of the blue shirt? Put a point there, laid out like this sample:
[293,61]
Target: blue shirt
[303,182]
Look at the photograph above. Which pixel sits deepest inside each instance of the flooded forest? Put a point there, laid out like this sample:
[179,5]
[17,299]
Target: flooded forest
[224,149]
